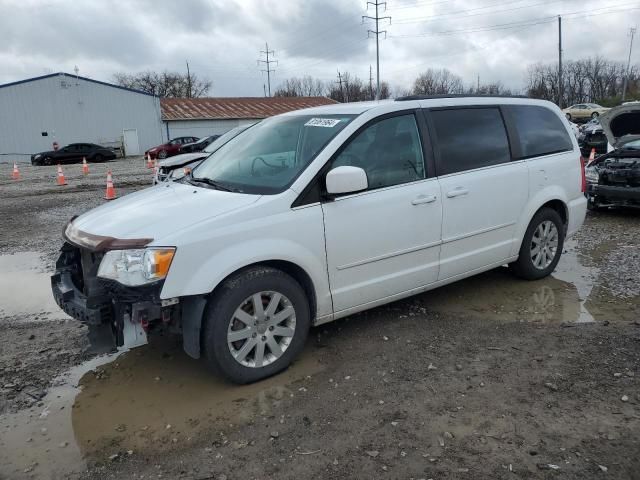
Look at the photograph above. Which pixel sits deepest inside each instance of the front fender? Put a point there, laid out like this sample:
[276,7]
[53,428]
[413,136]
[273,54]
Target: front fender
[200,266]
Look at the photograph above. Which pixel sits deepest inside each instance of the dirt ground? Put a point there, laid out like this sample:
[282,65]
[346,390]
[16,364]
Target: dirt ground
[491,377]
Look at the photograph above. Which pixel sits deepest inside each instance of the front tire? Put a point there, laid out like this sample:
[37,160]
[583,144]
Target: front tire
[568,116]
[162,154]
[541,247]
[255,324]
[595,115]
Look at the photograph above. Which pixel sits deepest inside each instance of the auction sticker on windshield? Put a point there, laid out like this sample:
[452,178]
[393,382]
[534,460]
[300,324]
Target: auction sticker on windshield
[322,122]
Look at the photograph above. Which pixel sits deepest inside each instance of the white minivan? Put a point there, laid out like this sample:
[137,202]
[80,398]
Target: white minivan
[314,215]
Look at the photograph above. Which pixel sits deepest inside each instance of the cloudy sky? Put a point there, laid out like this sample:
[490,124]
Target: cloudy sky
[222,39]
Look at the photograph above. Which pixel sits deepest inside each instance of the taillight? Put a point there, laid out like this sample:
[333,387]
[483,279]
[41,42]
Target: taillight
[583,179]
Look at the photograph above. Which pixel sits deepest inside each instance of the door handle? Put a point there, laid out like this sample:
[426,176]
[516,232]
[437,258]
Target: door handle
[420,199]
[457,192]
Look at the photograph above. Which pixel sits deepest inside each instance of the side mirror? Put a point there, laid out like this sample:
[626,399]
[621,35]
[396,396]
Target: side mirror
[346,180]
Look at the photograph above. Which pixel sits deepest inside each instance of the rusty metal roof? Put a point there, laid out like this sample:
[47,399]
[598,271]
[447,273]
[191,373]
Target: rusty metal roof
[239,107]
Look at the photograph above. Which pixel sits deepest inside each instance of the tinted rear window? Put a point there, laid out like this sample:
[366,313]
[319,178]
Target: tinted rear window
[539,130]
[470,138]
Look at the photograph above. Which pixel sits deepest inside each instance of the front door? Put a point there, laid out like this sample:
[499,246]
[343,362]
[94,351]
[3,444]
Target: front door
[386,240]
[483,191]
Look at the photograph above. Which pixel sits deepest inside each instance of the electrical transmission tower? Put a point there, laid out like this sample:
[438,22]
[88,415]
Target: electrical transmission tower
[632,33]
[377,4]
[267,63]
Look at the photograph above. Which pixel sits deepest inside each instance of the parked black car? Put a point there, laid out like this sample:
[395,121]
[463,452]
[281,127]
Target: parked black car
[613,179]
[198,146]
[74,153]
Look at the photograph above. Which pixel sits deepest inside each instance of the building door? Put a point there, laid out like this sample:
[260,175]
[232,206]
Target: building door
[131,144]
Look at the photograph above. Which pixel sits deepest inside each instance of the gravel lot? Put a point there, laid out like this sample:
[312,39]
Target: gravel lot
[491,377]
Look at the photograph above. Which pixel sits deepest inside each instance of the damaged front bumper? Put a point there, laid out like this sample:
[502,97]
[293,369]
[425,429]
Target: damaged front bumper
[117,316]
[613,195]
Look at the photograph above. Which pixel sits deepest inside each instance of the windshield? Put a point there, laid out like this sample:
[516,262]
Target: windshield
[634,145]
[270,157]
[222,139]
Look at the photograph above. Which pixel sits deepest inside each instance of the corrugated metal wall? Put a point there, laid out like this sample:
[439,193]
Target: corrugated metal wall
[72,110]
[204,128]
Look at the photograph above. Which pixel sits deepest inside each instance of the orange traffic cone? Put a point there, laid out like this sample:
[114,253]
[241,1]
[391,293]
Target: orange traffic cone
[61,180]
[592,156]
[16,173]
[149,164]
[111,192]
[85,166]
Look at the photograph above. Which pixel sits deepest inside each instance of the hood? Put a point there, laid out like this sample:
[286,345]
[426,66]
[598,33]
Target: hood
[158,211]
[621,124]
[182,159]
[157,147]
[48,152]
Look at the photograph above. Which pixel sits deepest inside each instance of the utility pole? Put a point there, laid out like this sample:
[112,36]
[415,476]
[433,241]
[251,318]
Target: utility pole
[188,80]
[560,84]
[478,87]
[267,63]
[370,83]
[340,83]
[377,4]
[632,33]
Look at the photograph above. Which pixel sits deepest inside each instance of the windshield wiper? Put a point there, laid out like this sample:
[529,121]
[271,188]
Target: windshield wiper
[208,181]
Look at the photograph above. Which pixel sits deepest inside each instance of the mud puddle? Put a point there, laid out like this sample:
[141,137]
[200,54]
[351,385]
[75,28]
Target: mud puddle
[563,298]
[25,289]
[150,399]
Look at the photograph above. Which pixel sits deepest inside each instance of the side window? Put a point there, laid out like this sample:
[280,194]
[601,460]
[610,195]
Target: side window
[389,151]
[539,130]
[470,138]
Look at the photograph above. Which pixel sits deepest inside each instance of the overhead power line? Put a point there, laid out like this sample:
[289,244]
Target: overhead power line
[377,4]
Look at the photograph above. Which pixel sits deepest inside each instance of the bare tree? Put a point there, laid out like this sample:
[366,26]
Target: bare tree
[165,84]
[306,86]
[437,82]
[587,80]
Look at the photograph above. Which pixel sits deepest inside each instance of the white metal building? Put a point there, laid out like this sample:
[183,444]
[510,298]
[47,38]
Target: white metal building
[68,109]
[201,117]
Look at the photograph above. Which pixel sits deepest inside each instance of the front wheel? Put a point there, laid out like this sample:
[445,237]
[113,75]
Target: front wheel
[568,116]
[595,115]
[541,247]
[98,158]
[255,325]
[162,154]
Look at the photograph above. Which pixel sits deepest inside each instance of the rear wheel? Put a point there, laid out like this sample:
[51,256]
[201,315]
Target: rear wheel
[541,247]
[255,325]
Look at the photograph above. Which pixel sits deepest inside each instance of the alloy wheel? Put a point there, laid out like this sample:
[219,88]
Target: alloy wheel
[544,245]
[261,329]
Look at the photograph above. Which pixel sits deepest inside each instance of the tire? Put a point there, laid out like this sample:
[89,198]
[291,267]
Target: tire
[162,154]
[595,115]
[98,158]
[526,266]
[234,304]
[47,161]
[568,116]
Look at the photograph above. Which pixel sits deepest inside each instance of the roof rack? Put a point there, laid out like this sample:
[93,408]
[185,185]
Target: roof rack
[452,95]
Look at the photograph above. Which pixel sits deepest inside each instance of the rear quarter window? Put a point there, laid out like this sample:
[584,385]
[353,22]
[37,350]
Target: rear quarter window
[539,131]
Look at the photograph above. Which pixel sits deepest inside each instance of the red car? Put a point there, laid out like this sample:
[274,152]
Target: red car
[172,147]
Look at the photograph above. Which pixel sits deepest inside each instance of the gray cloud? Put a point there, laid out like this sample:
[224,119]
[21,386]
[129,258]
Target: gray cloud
[221,39]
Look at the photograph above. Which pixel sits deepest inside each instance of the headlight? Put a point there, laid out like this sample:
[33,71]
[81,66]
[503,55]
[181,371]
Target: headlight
[592,175]
[37,156]
[136,267]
